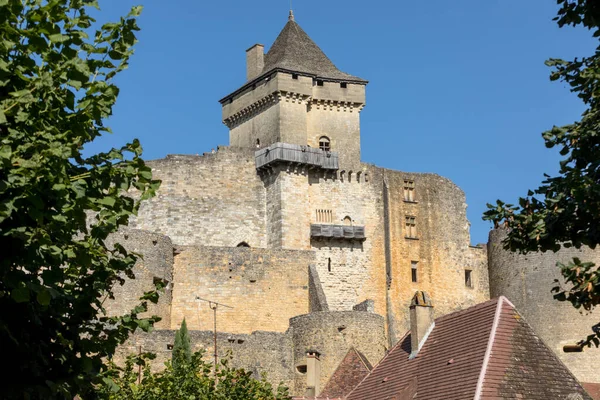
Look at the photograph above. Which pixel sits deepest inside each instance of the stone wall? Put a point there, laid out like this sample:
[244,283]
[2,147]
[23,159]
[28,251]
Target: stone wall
[332,334]
[441,248]
[350,270]
[210,200]
[259,352]
[155,261]
[265,287]
[527,280]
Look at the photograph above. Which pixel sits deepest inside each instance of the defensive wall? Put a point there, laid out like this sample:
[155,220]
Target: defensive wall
[219,200]
[281,355]
[527,280]
[265,287]
[155,261]
[215,199]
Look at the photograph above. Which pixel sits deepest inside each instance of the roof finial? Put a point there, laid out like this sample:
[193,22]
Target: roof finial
[291,17]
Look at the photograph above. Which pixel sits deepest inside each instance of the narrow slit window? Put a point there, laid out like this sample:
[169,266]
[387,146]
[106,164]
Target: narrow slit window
[409,190]
[468,278]
[413,271]
[411,227]
[329,264]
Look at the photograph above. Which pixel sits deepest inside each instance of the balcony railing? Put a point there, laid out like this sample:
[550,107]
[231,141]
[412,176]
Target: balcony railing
[296,154]
[337,231]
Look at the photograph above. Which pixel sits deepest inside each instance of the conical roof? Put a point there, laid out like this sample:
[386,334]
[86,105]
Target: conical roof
[294,50]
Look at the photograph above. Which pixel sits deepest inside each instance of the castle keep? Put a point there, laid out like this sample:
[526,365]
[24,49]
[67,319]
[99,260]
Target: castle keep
[315,251]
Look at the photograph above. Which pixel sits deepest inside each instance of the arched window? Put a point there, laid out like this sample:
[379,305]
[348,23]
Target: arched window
[324,143]
[347,220]
[243,244]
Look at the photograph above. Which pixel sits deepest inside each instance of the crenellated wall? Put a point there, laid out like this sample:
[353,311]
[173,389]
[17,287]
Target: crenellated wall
[527,280]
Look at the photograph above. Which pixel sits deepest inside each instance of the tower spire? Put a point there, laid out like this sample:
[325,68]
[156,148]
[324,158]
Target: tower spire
[291,17]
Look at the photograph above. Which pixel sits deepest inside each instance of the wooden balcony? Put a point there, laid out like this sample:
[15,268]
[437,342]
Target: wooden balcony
[337,231]
[296,154]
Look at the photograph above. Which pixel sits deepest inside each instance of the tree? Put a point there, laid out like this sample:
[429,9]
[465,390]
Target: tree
[565,209]
[192,380]
[182,352]
[56,91]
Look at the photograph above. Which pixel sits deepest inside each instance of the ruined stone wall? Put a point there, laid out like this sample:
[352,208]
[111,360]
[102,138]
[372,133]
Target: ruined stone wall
[155,261]
[332,334]
[265,287]
[210,200]
[441,248]
[259,352]
[527,280]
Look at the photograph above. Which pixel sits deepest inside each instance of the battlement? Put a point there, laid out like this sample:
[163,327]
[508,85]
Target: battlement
[296,154]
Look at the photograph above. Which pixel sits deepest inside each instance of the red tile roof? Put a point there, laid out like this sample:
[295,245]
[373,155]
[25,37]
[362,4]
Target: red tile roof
[484,352]
[593,389]
[351,371]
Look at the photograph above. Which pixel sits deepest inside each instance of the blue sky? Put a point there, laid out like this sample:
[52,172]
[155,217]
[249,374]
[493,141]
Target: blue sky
[458,88]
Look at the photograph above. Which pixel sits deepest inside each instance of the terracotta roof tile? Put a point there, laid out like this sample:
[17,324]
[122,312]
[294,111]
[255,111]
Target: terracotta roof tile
[351,371]
[593,389]
[522,366]
[485,352]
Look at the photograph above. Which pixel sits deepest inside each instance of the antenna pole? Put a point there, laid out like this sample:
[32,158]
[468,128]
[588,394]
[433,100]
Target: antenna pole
[214,308]
[213,305]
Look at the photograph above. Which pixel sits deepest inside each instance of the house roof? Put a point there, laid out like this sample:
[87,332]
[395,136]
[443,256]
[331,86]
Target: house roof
[593,389]
[295,51]
[484,352]
[351,371]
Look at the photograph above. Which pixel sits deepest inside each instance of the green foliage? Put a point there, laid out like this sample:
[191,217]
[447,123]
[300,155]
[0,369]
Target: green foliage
[56,91]
[182,351]
[193,379]
[565,209]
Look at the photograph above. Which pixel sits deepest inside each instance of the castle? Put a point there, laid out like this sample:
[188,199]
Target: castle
[314,251]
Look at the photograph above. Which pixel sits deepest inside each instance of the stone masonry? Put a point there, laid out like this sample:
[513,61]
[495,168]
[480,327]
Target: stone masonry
[312,256]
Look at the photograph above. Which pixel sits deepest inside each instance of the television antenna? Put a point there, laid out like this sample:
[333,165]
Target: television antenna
[213,305]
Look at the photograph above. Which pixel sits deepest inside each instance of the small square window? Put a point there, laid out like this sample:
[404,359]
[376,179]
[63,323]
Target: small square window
[343,85]
[468,278]
[413,271]
[319,83]
[294,76]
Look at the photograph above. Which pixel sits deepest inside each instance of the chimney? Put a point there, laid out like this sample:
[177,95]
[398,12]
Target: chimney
[421,321]
[313,374]
[255,61]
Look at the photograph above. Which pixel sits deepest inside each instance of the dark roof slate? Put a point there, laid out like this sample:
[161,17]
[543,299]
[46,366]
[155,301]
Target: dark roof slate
[351,371]
[294,50]
[490,336]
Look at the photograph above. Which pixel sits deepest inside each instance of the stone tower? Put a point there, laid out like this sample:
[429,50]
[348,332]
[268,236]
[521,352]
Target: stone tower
[295,95]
